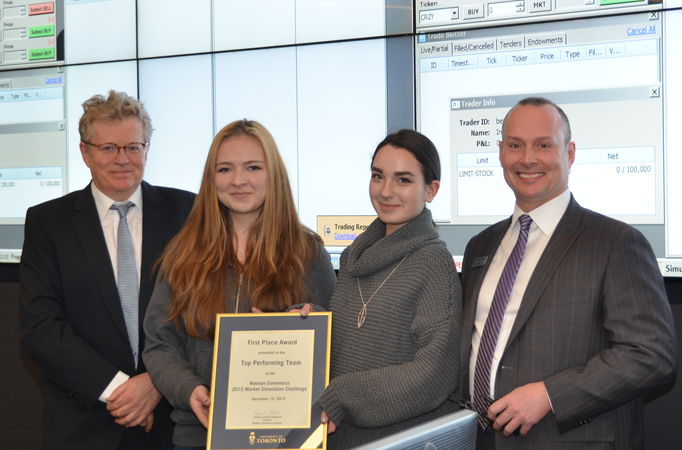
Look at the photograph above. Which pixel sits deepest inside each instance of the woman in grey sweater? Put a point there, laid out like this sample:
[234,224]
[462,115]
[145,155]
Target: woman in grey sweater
[396,307]
[242,249]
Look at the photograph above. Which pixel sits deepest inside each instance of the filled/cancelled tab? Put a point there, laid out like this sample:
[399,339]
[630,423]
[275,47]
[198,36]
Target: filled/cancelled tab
[477,46]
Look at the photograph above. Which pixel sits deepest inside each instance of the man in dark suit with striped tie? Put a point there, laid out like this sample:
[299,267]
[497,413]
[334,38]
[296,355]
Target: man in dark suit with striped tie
[87,274]
[566,320]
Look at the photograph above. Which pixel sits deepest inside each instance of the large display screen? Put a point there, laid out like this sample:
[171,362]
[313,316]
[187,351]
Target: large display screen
[306,70]
[330,79]
[611,75]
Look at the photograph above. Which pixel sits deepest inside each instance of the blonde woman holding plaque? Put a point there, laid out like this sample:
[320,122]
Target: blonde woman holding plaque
[242,249]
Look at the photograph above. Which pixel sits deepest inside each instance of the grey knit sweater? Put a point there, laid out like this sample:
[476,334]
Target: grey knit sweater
[178,363]
[400,367]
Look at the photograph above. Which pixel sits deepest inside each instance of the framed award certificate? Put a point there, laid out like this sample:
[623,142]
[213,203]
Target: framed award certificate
[269,370]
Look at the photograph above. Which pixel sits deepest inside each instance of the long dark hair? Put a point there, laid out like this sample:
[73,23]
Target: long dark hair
[419,146]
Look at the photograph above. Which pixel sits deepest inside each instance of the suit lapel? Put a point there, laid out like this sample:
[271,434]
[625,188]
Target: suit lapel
[473,282]
[89,231]
[562,239]
[154,221]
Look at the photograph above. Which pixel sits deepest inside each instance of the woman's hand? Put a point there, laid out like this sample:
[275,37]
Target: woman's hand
[307,309]
[200,401]
[331,427]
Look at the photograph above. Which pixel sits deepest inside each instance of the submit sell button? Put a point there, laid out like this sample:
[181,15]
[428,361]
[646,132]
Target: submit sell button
[41,53]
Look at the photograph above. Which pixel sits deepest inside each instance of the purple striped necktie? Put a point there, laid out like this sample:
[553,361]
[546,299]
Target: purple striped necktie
[491,331]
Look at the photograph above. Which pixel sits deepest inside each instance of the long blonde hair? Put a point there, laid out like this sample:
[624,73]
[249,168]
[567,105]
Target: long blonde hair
[197,261]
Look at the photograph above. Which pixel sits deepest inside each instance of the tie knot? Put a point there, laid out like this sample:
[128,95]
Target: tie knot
[122,208]
[525,221]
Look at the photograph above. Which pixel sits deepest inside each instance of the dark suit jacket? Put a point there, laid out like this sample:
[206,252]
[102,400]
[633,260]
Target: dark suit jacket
[72,322]
[594,324]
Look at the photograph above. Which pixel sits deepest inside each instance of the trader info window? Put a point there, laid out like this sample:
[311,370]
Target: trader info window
[32,139]
[605,73]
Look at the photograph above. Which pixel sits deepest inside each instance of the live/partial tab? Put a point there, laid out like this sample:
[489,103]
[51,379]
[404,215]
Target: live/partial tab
[41,8]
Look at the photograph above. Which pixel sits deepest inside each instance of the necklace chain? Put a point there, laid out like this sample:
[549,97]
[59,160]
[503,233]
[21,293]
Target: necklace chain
[362,315]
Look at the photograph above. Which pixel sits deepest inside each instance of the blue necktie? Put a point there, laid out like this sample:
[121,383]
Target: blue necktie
[127,277]
[491,331]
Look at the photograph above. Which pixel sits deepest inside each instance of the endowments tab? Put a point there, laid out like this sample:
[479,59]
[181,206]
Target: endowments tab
[478,46]
[545,40]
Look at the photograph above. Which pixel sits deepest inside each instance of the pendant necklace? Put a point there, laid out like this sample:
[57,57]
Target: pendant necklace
[362,315]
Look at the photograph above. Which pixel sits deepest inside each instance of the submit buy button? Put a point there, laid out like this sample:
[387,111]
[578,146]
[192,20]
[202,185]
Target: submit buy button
[41,31]
[41,53]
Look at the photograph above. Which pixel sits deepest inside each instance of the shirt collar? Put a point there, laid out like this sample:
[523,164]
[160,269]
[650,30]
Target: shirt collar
[103,202]
[547,215]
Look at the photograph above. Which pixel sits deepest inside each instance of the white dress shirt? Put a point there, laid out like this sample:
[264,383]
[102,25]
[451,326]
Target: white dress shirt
[545,219]
[110,220]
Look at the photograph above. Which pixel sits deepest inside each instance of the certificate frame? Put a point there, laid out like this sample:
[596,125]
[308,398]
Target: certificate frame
[245,347]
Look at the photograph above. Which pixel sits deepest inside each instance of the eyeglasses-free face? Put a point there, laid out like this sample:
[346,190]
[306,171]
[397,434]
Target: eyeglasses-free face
[242,177]
[397,188]
[116,173]
[534,156]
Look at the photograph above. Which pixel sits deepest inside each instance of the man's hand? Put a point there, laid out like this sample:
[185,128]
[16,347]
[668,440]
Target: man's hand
[149,423]
[523,407]
[200,401]
[134,401]
[331,426]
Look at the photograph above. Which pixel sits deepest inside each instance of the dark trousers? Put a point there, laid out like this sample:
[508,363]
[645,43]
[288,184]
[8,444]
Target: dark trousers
[136,438]
[485,440]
